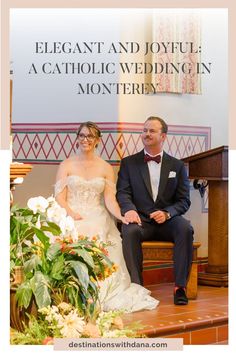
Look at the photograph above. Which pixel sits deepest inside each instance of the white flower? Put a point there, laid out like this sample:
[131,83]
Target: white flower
[64,307]
[38,204]
[51,199]
[55,213]
[67,225]
[52,313]
[44,310]
[71,325]
[51,317]
[74,235]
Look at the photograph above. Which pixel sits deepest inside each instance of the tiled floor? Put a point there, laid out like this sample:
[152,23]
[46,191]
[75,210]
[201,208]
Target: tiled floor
[202,321]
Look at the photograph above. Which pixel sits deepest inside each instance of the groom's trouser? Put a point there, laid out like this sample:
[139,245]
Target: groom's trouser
[177,230]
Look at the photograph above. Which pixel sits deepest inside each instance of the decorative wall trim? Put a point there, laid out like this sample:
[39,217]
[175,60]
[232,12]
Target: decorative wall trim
[53,142]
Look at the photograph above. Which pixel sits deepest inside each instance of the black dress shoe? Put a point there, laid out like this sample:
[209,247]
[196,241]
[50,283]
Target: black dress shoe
[180,297]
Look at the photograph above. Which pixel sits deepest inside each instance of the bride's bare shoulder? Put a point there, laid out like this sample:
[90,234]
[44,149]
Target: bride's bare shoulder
[107,170]
[70,161]
[103,163]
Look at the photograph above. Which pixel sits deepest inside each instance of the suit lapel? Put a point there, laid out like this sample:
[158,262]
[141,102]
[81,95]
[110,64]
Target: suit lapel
[165,169]
[144,171]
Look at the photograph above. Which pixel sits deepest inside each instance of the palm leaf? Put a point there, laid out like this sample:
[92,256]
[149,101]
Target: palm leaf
[39,285]
[53,250]
[42,237]
[24,294]
[86,257]
[81,271]
[32,263]
[58,268]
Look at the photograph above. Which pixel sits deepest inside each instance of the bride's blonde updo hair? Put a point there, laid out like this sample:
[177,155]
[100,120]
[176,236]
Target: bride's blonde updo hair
[92,127]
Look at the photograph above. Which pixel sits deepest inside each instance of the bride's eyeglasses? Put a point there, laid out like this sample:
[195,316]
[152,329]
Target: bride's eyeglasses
[89,137]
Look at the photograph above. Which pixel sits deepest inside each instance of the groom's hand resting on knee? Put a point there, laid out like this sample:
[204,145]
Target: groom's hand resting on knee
[132,216]
[159,216]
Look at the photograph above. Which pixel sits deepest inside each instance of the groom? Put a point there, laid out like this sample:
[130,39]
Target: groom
[153,194]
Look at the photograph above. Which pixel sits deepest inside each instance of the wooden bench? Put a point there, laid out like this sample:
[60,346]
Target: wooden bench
[163,251]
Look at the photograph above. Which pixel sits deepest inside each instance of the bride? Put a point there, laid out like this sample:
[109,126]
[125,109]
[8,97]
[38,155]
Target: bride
[85,188]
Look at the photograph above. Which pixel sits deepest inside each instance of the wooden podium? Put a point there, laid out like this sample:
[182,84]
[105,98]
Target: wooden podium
[212,165]
[17,170]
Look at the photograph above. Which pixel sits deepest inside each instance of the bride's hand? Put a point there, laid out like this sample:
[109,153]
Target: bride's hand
[132,217]
[75,216]
[124,221]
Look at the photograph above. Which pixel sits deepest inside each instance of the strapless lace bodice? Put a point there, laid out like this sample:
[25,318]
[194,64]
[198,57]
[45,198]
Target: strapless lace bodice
[83,195]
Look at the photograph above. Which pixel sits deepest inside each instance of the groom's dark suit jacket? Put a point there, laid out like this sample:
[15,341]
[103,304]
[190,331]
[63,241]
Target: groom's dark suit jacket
[134,187]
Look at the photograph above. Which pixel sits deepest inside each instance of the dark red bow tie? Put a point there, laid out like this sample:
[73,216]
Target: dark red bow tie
[157,158]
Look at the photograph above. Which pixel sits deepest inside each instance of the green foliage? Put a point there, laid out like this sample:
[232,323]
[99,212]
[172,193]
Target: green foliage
[23,229]
[64,270]
[24,294]
[34,334]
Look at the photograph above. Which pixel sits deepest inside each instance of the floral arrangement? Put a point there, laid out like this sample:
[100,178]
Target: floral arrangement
[62,271]
[58,264]
[65,321]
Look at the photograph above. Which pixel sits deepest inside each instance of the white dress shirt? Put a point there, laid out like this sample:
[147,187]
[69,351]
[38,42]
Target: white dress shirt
[154,172]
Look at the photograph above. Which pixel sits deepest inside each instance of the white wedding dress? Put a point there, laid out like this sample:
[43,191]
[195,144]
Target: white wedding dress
[86,198]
